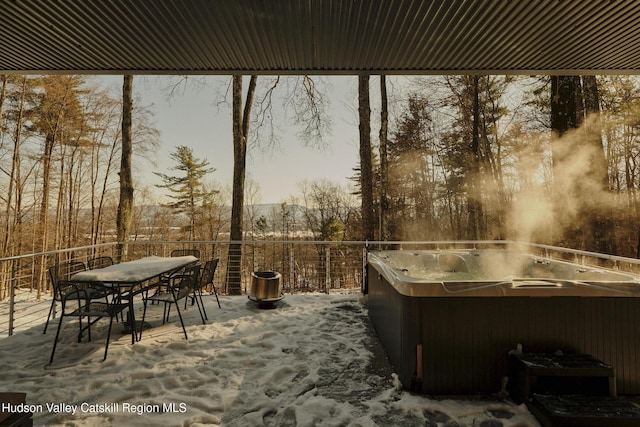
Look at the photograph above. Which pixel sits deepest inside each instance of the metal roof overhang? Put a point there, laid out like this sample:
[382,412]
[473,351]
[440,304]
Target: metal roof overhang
[320,36]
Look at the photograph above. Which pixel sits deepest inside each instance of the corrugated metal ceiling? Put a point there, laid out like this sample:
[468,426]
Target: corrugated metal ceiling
[320,36]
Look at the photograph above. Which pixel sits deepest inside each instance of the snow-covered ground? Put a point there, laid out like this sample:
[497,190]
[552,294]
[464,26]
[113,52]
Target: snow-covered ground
[312,361]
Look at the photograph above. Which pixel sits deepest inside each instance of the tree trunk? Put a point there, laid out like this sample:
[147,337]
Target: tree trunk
[44,204]
[574,104]
[5,267]
[125,206]
[563,110]
[366,167]
[241,120]
[600,213]
[12,243]
[563,119]
[594,130]
[9,242]
[103,193]
[474,203]
[384,165]
[3,93]
[49,143]
[58,220]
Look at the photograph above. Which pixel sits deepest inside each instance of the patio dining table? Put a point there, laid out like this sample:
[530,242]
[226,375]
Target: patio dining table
[134,277]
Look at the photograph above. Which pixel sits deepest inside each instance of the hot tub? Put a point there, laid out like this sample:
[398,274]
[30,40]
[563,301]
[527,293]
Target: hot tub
[449,318]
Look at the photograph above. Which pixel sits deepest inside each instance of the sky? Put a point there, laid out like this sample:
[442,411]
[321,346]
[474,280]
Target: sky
[314,360]
[192,117]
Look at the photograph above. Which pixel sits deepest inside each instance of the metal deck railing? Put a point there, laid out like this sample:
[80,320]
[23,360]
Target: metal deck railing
[305,266]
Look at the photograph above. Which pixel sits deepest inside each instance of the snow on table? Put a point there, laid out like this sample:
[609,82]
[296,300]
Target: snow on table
[134,271]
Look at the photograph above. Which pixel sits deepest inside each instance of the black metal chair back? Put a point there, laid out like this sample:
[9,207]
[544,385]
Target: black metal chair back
[206,279]
[67,269]
[59,274]
[99,262]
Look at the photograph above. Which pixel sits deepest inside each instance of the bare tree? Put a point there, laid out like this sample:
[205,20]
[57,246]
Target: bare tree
[384,164]
[3,93]
[13,209]
[241,120]
[58,111]
[308,109]
[474,205]
[252,198]
[600,215]
[411,181]
[575,103]
[125,206]
[329,214]
[327,210]
[366,161]
[104,148]
[214,217]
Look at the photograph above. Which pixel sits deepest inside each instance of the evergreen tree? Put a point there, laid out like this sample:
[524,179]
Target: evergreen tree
[187,189]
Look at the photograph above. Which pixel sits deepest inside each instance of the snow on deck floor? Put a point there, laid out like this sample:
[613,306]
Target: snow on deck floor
[312,361]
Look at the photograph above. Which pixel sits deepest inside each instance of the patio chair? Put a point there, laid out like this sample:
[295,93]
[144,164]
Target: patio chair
[61,273]
[79,300]
[99,262]
[164,280]
[206,279]
[178,287]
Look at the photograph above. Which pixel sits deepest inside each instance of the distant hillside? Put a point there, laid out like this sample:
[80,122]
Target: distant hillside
[268,209]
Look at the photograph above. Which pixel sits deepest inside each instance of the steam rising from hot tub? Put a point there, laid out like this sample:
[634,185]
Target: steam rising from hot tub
[549,193]
[540,213]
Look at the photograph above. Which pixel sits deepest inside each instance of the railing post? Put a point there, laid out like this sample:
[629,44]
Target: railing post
[363,278]
[327,267]
[234,269]
[292,268]
[12,296]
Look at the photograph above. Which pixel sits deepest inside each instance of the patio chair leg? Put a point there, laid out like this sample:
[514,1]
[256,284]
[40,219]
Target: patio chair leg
[166,313]
[53,303]
[55,341]
[182,322]
[116,299]
[144,313]
[200,310]
[200,304]
[106,347]
[216,294]
[80,331]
